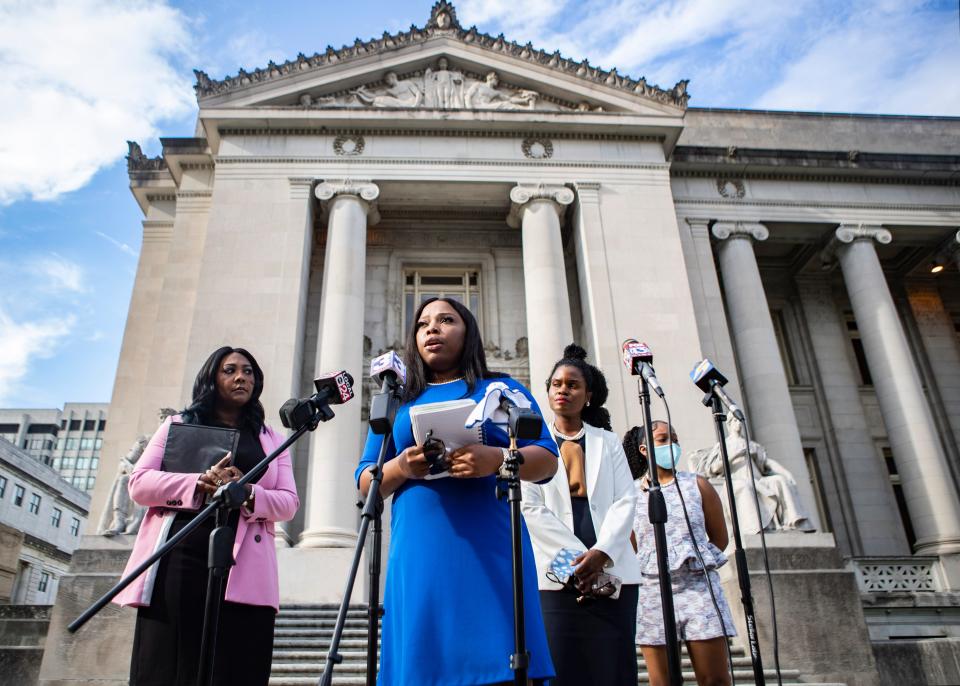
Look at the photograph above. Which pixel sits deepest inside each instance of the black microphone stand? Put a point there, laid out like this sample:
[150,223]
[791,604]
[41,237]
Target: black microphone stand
[383,409]
[522,423]
[228,497]
[712,400]
[657,512]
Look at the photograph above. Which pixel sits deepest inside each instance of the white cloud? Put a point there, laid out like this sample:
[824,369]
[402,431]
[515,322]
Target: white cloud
[886,58]
[80,78]
[122,247]
[21,342]
[56,273]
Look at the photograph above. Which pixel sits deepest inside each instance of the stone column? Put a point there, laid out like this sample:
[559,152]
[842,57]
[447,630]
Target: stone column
[769,407]
[537,210]
[873,507]
[330,520]
[931,498]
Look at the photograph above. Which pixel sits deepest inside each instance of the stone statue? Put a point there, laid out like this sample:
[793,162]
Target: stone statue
[780,506]
[486,95]
[443,87]
[121,515]
[405,93]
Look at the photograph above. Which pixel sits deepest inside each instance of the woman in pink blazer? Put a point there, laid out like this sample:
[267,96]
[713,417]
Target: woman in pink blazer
[170,595]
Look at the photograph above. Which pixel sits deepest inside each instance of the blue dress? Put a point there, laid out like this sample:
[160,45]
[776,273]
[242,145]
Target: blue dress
[448,601]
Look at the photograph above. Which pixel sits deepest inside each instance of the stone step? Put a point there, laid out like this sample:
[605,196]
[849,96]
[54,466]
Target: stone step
[357,651]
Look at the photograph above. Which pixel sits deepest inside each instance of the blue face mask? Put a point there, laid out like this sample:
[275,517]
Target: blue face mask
[667,456]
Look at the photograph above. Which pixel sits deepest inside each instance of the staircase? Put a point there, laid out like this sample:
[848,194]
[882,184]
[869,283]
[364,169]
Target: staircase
[303,634]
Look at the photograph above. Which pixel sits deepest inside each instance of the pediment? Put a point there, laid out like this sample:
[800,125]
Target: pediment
[441,66]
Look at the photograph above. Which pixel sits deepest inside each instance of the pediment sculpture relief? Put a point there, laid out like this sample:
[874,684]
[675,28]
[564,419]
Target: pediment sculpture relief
[441,87]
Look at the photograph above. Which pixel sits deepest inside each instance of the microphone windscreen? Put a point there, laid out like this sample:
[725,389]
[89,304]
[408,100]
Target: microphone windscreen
[338,386]
[388,363]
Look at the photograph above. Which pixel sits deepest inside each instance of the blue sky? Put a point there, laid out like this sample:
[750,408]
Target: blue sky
[82,77]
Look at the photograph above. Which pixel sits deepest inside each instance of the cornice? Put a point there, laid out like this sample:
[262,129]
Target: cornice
[443,23]
[827,178]
[438,133]
[679,202]
[653,166]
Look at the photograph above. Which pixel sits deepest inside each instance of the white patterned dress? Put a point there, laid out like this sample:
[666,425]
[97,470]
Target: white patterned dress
[695,614]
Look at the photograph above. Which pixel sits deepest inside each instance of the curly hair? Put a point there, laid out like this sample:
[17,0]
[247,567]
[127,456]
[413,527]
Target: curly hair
[594,414]
[632,440]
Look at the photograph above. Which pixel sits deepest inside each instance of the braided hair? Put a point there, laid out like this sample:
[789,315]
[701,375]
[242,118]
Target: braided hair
[632,440]
[593,413]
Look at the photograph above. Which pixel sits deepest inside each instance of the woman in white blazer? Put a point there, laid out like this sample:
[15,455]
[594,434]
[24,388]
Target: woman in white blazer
[585,512]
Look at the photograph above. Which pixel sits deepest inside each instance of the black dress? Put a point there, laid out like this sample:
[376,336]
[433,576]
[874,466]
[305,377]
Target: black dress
[166,641]
[592,643]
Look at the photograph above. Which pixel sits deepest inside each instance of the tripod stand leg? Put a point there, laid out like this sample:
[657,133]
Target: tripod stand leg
[220,559]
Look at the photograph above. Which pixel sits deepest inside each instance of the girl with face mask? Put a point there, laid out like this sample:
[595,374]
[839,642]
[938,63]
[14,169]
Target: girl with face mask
[698,623]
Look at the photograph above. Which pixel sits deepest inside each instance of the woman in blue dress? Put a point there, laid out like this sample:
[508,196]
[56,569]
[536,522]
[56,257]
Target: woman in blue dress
[448,604]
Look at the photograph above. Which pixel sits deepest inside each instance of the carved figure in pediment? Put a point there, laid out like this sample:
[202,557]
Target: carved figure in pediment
[487,95]
[780,506]
[443,87]
[398,93]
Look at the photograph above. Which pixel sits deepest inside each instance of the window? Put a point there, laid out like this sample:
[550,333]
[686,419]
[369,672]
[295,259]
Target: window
[55,517]
[462,285]
[97,444]
[67,462]
[78,481]
[102,425]
[89,424]
[858,352]
[91,481]
[86,444]
[94,462]
[72,443]
[63,424]
[83,462]
[816,484]
[18,492]
[3,486]
[900,497]
[34,503]
[74,424]
[60,443]
[74,526]
[44,582]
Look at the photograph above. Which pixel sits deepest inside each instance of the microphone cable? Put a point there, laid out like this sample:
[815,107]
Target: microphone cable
[696,548]
[766,560]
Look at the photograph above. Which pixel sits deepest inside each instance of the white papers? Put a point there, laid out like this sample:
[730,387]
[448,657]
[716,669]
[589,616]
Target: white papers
[446,421]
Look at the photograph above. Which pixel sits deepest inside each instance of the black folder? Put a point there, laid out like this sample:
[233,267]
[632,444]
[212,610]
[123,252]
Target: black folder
[194,448]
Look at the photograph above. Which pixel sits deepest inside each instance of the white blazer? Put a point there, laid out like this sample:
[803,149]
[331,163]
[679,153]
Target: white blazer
[612,497]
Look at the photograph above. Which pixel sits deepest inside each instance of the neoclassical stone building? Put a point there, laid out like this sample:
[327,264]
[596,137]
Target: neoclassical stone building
[322,198]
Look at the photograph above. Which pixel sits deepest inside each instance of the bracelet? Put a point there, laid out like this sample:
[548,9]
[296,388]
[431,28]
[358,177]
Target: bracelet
[502,470]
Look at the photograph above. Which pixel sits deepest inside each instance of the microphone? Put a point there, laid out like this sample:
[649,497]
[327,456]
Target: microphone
[638,358]
[389,371]
[523,422]
[334,388]
[709,380]
[388,368]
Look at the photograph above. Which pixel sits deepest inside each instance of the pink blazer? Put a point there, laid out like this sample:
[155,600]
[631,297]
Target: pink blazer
[253,580]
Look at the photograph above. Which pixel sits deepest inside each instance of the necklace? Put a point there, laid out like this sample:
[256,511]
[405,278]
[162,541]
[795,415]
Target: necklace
[441,383]
[575,437]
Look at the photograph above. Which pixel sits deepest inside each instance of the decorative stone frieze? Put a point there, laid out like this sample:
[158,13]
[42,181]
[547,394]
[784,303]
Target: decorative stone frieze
[349,145]
[731,188]
[537,148]
[750,230]
[443,23]
[522,194]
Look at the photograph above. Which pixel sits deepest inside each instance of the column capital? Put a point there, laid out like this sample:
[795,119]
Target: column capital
[724,230]
[848,233]
[363,190]
[523,194]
